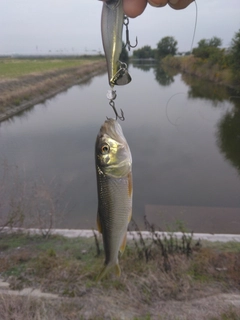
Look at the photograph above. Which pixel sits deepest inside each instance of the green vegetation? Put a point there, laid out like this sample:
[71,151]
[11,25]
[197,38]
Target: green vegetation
[207,61]
[235,55]
[145,52]
[167,46]
[12,68]
[207,47]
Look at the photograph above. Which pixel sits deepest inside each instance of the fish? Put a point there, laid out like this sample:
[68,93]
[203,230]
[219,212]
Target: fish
[111,28]
[115,189]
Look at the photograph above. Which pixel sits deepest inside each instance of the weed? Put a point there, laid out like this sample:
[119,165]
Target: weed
[160,247]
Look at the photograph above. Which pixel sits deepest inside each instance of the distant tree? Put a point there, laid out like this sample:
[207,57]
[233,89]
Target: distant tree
[209,48]
[215,42]
[235,57]
[145,52]
[166,46]
[235,46]
[203,43]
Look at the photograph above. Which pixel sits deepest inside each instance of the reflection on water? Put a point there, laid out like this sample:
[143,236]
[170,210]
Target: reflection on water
[180,144]
[203,89]
[229,136]
[163,78]
[228,127]
[144,65]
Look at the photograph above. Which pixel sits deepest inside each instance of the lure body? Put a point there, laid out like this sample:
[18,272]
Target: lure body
[111,28]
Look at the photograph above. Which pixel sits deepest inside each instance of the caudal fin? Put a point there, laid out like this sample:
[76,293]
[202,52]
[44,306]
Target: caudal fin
[105,270]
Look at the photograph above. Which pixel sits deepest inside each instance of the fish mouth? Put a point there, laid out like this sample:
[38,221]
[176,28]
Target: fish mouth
[113,129]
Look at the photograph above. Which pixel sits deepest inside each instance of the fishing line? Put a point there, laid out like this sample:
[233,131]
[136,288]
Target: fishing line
[195,26]
[166,108]
[193,38]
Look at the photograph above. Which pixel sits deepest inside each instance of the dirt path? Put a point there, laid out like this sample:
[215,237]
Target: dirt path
[19,94]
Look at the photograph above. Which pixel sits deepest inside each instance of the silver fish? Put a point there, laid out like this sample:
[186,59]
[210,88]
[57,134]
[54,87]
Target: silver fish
[111,27]
[114,184]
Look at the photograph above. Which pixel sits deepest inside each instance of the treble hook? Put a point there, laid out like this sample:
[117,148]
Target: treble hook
[112,104]
[128,43]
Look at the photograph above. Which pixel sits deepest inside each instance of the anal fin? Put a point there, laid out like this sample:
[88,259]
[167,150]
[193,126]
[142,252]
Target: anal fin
[123,244]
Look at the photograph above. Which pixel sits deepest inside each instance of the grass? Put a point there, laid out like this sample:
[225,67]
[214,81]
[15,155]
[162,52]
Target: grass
[14,68]
[28,81]
[155,270]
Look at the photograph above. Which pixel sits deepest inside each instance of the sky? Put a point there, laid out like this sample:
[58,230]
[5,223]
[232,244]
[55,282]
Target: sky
[73,26]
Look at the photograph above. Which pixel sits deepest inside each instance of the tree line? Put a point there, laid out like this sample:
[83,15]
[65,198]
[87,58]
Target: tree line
[207,49]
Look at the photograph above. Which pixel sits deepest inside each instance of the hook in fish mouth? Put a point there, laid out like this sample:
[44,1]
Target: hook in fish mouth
[120,117]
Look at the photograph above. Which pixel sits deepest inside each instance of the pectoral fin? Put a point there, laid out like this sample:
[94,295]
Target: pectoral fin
[99,227]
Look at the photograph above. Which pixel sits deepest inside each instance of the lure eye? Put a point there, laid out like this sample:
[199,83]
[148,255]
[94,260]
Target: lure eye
[105,149]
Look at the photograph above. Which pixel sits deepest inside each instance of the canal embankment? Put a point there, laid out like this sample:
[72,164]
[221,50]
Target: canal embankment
[87,233]
[203,69]
[22,92]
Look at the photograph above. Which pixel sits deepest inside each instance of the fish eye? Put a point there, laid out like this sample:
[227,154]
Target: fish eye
[105,149]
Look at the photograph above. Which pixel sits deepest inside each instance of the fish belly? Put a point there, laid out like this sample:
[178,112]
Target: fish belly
[114,209]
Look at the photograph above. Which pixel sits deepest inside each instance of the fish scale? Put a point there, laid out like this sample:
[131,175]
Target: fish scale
[111,200]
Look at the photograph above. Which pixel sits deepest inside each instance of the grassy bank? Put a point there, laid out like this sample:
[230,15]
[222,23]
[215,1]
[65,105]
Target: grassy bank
[25,82]
[201,68]
[161,279]
[14,68]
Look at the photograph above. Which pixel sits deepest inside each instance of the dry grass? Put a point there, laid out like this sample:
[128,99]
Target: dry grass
[203,69]
[29,308]
[108,307]
[151,287]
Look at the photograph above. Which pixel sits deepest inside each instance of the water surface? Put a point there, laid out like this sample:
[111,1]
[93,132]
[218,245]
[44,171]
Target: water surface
[184,135]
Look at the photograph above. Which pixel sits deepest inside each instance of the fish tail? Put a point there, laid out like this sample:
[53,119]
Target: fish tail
[105,270]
